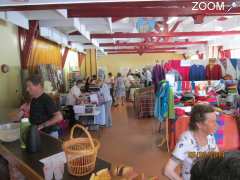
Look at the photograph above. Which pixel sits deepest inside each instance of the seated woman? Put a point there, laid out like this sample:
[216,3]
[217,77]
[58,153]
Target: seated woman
[198,139]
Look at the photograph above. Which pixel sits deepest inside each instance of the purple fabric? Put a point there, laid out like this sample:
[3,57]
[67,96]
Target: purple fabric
[158,74]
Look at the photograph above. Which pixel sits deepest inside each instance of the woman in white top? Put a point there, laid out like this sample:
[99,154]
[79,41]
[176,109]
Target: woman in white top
[74,93]
[197,139]
[105,91]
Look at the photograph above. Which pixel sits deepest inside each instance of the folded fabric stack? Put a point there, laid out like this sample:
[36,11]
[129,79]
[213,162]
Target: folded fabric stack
[188,99]
[231,86]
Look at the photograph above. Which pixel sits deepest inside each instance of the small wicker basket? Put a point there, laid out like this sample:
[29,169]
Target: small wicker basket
[81,153]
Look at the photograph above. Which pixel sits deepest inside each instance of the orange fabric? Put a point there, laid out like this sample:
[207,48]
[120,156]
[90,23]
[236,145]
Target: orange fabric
[44,52]
[230,136]
[178,128]
[181,125]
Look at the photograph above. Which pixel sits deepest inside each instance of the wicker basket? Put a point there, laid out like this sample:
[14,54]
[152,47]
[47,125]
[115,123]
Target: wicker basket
[81,153]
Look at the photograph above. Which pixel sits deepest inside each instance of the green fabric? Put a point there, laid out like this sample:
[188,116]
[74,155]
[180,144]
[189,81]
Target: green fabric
[171,112]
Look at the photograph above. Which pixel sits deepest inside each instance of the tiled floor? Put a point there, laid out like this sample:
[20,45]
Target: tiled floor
[131,141]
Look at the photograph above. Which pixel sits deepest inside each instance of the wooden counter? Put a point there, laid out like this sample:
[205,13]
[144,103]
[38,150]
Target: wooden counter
[30,165]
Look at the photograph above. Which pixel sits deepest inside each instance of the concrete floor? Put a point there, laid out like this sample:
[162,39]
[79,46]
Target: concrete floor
[132,142]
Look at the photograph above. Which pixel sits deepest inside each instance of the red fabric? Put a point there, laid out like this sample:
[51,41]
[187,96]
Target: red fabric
[225,54]
[214,73]
[184,71]
[179,112]
[186,86]
[176,64]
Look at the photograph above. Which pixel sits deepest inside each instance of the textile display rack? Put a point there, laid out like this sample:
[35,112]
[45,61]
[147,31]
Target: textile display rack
[144,102]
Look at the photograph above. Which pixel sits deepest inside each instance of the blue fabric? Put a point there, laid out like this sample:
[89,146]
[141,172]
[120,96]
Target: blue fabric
[161,100]
[179,87]
[101,118]
[234,63]
[193,85]
[197,73]
[201,71]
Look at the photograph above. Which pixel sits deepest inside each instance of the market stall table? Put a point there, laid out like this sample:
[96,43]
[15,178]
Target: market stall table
[30,165]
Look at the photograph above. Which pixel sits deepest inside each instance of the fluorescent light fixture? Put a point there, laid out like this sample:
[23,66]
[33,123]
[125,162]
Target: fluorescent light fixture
[125,20]
[218,28]
[171,20]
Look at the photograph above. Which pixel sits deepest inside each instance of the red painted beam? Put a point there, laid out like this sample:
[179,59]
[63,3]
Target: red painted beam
[27,49]
[115,19]
[87,44]
[150,49]
[75,33]
[170,34]
[153,44]
[64,56]
[136,52]
[136,4]
[147,12]
[175,26]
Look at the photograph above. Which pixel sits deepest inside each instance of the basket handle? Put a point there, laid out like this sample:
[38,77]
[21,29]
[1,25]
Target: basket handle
[84,130]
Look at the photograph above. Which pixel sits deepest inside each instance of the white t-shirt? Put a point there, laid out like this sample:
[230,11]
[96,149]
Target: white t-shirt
[187,145]
[71,100]
[148,76]
[110,82]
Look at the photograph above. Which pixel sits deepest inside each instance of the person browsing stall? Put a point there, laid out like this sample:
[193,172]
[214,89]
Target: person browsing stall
[43,111]
[105,91]
[199,138]
[74,93]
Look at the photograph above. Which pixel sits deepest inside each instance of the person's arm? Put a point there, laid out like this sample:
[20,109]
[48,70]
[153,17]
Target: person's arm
[57,117]
[170,169]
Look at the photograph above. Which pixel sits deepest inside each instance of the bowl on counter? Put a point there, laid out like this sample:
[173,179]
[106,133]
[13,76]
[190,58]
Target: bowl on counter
[9,132]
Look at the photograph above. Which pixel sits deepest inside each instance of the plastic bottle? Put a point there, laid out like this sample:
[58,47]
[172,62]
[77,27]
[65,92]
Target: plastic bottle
[24,125]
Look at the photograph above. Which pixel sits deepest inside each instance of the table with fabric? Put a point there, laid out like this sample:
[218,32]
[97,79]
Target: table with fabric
[30,165]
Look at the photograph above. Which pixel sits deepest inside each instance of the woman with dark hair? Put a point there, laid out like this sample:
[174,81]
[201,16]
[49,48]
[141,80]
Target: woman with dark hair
[199,138]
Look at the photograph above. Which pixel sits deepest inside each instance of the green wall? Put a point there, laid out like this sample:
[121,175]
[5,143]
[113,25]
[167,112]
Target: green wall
[10,83]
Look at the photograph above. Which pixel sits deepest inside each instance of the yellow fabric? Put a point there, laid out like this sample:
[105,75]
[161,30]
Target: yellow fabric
[44,52]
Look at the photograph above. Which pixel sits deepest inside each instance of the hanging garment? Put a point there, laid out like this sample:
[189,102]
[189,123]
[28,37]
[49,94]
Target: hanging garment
[197,73]
[214,72]
[176,74]
[176,65]
[164,101]
[158,74]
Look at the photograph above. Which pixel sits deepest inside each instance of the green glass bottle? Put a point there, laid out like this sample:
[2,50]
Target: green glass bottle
[24,125]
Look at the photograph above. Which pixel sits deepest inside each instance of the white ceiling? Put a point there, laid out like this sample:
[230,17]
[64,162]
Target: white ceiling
[56,21]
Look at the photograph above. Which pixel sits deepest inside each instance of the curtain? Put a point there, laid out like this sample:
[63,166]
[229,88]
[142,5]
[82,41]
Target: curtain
[44,52]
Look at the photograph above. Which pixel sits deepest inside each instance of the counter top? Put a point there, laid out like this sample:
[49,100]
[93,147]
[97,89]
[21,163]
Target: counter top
[30,165]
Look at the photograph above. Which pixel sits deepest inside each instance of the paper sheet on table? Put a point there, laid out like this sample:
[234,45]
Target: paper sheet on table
[59,156]
[79,109]
[94,98]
